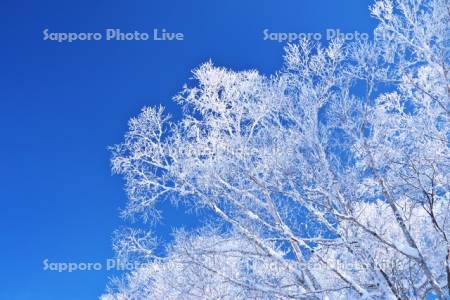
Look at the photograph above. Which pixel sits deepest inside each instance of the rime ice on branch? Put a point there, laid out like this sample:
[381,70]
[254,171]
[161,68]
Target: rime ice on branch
[328,180]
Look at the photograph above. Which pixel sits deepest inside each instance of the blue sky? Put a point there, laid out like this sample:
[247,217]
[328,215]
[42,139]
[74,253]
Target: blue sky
[62,104]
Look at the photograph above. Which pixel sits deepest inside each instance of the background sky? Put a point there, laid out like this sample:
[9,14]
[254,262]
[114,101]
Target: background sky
[63,104]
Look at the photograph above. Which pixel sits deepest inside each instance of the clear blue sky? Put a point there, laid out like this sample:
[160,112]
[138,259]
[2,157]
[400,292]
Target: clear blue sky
[62,104]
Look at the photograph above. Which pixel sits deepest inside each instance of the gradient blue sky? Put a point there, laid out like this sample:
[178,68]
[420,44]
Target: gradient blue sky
[62,104]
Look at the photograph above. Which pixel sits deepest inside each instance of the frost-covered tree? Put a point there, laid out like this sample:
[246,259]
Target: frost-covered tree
[328,180]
